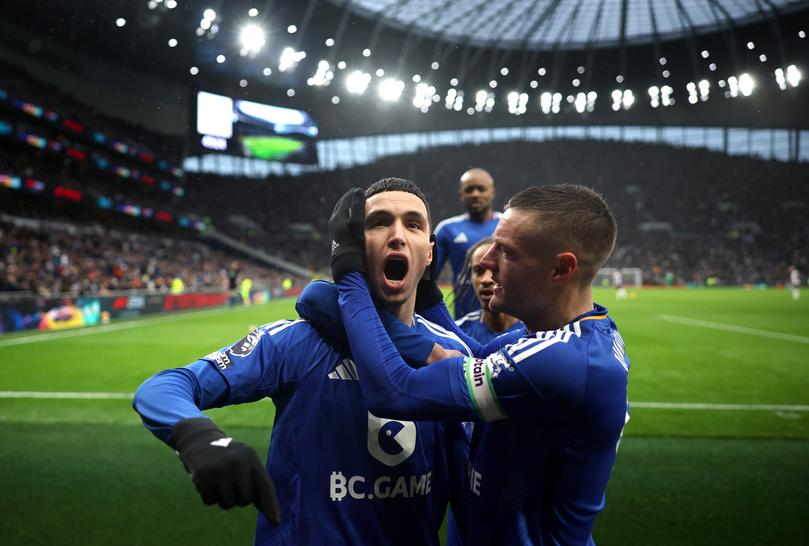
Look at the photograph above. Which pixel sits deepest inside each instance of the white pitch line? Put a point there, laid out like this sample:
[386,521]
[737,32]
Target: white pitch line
[731,328]
[717,407]
[109,327]
[632,405]
[68,395]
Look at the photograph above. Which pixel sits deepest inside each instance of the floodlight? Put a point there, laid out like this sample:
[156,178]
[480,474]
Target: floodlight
[357,82]
[746,84]
[793,75]
[252,39]
[119,22]
[390,89]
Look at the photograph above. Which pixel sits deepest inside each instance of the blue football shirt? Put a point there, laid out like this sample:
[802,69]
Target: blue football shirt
[343,475]
[550,411]
[471,325]
[453,237]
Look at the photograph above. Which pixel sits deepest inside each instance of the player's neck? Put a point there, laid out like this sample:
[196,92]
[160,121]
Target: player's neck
[404,312]
[497,322]
[482,216]
[562,310]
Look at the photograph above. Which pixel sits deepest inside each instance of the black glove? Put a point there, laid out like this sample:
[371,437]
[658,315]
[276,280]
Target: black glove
[427,292]
[225,472]
[347,234]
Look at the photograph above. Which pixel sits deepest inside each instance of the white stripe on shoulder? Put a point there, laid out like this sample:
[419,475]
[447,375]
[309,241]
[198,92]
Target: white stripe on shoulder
[540,341]
[281,327]
[474,316]
[443,332]
[451,220]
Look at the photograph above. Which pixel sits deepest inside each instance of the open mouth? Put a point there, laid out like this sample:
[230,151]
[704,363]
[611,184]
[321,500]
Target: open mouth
[395,268]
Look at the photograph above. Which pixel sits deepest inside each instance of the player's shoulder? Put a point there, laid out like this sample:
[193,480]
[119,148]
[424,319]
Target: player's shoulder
[441,335]
[569,341]
[469,317]
[451,221]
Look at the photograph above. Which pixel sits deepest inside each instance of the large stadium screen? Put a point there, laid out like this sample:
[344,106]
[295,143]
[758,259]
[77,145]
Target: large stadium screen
[255,130]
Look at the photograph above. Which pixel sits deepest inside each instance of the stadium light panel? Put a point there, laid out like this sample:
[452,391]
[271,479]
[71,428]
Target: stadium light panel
[220,59]
[172,42]
[193,70]
[341,65]
[290,59]
[746,84]
[793,75]
[434,65]
[390,89]
[493,84]
[209,14]
[357,82]
[329,42]
[252,39]
[292,29]
[379,72]
[205,24]
[171,4]
[504,71]
[542,71]
[252,12]
[366,52]
[120,22]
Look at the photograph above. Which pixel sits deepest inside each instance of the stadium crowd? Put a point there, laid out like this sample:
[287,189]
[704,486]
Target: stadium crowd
[49,258]
[685,216]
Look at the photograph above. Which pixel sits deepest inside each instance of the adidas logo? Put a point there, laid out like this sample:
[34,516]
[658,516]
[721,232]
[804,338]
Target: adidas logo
[334,246]
[461,238]
[222,442]
[346,371]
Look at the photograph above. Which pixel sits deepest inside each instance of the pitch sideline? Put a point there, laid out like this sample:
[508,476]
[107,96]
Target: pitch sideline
[639,405]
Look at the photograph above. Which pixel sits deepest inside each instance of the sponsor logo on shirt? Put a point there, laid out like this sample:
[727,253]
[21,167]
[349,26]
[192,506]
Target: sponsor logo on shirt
[383,487]
[390,442]
[221,358]
[247,344]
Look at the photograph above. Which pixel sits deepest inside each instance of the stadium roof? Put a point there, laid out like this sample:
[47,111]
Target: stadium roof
[548,24]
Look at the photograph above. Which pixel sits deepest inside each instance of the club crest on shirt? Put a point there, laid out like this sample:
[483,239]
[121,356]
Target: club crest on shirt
[247,344]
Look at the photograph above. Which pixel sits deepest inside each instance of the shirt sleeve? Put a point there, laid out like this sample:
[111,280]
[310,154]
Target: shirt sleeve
[439,314]
[317,303]
[513,382]
[250,369]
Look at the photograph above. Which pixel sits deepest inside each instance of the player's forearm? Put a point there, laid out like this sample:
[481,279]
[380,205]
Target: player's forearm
[171,396]
[318,304]
[391,388]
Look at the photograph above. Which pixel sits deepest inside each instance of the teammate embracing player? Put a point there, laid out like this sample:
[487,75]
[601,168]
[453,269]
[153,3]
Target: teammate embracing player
[550,406]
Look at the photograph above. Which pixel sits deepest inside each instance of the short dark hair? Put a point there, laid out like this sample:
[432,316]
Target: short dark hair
[576,218]
[398,184]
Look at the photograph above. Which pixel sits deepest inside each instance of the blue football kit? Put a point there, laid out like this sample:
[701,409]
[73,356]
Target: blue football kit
[550,408]
[472,325]
[342,474]
[453,237]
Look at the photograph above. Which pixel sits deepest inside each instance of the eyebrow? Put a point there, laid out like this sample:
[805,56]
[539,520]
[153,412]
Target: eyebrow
[386,212]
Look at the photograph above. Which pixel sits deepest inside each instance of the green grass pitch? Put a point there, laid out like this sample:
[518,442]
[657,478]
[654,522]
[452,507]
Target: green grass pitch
[731,466]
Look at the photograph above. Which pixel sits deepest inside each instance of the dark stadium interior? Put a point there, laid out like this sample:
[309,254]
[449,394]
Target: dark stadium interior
[107,188]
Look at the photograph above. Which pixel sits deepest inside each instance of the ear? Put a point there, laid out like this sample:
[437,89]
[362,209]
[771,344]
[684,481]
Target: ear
[429,273]
[564,268]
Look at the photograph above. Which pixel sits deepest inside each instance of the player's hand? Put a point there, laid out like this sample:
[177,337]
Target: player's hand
[428,293]
[226,472]
[347,234]
[440,353]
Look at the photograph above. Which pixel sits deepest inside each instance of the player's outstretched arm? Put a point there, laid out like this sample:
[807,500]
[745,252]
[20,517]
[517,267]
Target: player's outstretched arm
[224,471]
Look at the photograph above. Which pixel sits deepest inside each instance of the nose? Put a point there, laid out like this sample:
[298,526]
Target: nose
[486,277]
[396,237]
[488,260]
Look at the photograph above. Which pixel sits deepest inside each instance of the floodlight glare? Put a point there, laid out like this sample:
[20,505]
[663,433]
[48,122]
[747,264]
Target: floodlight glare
[290,59]
[119,22]
[793,75]
[209,15]
[746,84]
[252,39]
[357,82]
[390,89]
[252,12]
